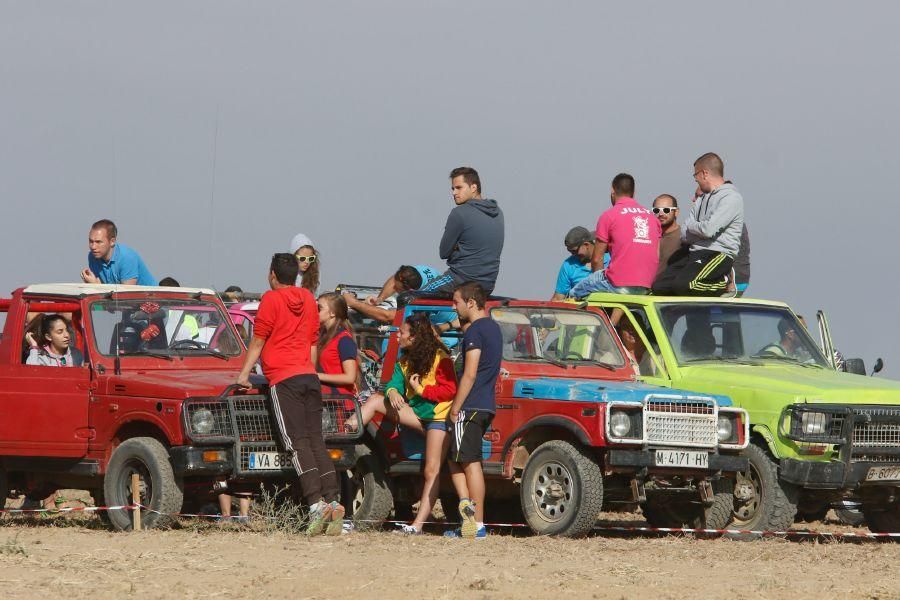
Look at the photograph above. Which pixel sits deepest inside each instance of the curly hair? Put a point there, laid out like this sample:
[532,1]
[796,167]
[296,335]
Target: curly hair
[426,344]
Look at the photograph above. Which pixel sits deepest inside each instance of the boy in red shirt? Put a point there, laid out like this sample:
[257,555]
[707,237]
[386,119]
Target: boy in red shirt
[631,233]
[285,335]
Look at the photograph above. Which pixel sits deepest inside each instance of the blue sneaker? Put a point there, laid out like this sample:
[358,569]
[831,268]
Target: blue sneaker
[480,533]
[467,512]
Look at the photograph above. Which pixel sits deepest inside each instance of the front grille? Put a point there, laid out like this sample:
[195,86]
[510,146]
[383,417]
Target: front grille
[879,458]
[250,422]
[681,423]
[876,427]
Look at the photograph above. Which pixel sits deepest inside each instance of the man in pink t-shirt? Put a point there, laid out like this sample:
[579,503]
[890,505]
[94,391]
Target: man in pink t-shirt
[631,233]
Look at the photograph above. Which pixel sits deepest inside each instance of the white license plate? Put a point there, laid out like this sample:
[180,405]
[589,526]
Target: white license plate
[681,458]
[269,461]
[883,474]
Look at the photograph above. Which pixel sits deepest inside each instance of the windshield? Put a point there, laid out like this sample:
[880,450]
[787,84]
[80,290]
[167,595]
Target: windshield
[162,327]
[555,335]
[739,333]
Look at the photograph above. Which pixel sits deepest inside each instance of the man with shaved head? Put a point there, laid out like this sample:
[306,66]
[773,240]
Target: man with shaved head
[665,207]
[712,232]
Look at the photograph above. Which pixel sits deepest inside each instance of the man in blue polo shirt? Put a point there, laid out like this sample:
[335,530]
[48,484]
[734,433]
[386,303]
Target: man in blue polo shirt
[111,262]
[580,244]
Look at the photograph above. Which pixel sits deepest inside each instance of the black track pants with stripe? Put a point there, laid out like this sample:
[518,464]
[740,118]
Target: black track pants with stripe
[298,411]
[695,273]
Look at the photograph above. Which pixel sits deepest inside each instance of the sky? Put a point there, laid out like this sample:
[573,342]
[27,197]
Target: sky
[212,132]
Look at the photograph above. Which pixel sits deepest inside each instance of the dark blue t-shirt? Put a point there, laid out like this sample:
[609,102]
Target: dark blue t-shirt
[484,334]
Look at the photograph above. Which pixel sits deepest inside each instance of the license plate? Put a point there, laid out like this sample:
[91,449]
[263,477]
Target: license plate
[269,461]
[883,474]
[681,458]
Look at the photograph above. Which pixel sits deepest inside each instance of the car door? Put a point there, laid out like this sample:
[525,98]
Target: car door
[44,409]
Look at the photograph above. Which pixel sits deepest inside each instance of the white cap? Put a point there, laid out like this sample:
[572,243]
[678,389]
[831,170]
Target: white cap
[298,241]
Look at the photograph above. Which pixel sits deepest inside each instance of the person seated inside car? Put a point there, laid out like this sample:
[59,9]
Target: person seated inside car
[634,348]
[789,344]
[52,346]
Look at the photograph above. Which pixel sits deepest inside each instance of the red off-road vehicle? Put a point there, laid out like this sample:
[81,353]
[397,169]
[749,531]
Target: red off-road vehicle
[153,397]
[574,432]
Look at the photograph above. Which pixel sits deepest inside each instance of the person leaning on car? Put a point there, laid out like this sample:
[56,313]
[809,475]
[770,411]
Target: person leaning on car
[112,262]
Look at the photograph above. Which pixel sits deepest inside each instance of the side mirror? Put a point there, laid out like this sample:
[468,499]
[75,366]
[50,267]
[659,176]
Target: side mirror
[856,366]
[879,365]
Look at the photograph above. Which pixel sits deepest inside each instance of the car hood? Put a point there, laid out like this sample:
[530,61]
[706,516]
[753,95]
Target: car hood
[804,384]
[592,390]
[175,385]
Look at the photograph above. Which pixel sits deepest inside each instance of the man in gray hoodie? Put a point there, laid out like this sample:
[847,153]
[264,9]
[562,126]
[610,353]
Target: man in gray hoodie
[473,236]
[712,234]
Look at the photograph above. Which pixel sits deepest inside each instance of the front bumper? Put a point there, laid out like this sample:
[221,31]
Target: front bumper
[833,475]
[619,459]
[189,461]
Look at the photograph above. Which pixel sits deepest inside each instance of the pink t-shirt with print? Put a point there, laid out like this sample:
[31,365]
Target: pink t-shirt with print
[632,233]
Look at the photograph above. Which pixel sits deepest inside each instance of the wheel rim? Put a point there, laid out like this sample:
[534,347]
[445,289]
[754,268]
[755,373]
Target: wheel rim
[553,491]
[745,510]
[145,482]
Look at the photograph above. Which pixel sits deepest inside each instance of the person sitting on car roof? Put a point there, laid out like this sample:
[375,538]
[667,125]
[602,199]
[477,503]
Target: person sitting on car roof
[382,307]
[307,260]
[580,244]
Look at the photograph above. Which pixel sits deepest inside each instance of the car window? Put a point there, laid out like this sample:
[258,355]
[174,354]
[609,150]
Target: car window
[737,332]
[556,335]
[170,327]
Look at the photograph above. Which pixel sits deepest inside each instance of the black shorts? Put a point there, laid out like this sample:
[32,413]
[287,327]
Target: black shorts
[467,435]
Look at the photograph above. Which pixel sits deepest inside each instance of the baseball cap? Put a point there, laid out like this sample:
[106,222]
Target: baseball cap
[577,236]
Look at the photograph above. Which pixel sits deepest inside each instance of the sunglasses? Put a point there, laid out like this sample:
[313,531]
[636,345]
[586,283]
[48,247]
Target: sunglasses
[306,259]
[663,209]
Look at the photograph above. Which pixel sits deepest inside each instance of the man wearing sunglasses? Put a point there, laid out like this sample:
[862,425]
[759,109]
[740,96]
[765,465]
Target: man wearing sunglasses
[712,231]
[580,244]
[665,207]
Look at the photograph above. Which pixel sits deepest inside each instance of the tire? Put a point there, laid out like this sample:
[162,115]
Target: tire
[4,487]
[850,516]
[681,512]
[882,519]
[561,490]
[103,515]
[160,489]
[774,503]
[370,499]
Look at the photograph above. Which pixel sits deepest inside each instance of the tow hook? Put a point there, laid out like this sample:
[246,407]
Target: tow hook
[637,491]
[706,493]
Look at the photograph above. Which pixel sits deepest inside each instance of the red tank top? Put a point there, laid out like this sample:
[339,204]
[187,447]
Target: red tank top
[330,361]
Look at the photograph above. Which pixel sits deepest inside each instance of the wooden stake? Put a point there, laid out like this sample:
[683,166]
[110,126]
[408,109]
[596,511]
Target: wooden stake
[135,500]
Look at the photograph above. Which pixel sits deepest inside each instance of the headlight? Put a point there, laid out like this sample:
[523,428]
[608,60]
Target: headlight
[202,421]
[329,424]
[724,428]
[619,423]
[813,423]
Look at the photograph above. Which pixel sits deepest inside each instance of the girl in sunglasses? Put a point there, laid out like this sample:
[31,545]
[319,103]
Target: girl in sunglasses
[308,260]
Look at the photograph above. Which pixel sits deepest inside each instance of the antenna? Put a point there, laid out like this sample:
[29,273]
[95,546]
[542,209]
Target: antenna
[212,200]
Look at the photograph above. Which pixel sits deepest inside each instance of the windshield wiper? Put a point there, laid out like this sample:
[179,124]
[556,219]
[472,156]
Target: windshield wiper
[731,359]
[147,353]
[591,361]
[207,352]
[789,359]
[552,361]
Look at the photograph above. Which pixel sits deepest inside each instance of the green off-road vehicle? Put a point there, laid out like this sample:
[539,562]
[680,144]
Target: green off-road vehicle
[819,437]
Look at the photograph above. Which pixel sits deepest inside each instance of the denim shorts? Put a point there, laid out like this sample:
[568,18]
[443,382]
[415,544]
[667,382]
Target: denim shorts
[436,425]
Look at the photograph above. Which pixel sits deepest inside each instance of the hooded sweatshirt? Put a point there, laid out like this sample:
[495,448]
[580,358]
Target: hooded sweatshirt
[288,322]
[716,221]
[473,241]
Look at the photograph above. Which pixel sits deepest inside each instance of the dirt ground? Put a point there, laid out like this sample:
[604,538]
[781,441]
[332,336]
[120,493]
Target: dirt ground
[76,557]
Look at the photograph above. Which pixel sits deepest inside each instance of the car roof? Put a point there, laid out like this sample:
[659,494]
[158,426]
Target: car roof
[644,299]
[92,289]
